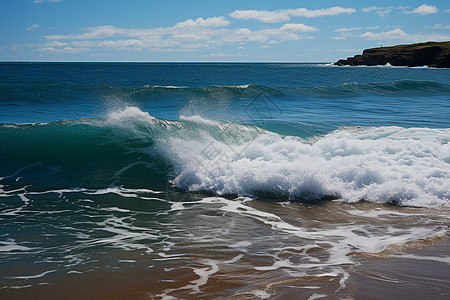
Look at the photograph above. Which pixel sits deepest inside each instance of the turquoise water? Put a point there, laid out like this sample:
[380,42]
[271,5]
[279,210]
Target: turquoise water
[135,167]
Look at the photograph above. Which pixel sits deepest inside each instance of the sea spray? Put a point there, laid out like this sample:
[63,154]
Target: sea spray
[378,164]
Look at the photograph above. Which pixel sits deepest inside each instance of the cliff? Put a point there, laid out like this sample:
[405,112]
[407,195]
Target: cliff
[424,54]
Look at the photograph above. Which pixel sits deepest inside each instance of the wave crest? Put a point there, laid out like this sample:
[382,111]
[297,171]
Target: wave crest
[387,164]
[379,164]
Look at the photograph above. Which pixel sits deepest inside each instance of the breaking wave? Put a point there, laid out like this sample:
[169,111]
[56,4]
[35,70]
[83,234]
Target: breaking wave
[130,148]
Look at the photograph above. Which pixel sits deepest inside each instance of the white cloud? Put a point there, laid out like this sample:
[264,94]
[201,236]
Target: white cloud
[350,32]
[344,29]
[63,50]
[261,15]
[392,34]
[298,27]
[92,33]
[56,44]
[33,27]
[108,31]
[447,11]
[264,35]
[284,15]
[440,26]
[371,8]
[183,36]
[223,55]
[400,36]
[200,22]
[424,9]
[83,44]
[331,11]
[383,11]
[137,44]
[192,37]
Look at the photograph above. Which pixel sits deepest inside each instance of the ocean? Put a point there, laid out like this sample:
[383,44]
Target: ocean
[223,181]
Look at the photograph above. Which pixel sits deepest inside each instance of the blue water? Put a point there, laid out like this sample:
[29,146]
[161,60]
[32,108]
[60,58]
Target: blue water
[312,94]
[147,167]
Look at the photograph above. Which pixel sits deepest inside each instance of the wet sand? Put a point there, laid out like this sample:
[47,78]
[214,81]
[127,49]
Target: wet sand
[414,274]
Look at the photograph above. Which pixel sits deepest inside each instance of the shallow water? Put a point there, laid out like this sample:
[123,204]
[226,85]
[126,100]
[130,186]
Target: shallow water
[217,247]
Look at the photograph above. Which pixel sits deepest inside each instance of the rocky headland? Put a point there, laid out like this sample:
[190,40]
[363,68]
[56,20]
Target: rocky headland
[432,54]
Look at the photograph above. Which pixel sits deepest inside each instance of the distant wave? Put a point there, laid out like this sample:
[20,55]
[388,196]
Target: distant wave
[130,147]
[402,87]
[410,88]
[397,88]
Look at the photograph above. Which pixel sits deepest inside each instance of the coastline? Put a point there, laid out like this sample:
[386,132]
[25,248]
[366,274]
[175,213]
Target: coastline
[417,269]
[432,54]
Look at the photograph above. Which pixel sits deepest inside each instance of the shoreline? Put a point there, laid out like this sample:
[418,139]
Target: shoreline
[432,54]
[413,273]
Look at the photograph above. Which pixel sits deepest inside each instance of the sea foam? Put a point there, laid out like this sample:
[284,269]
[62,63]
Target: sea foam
[380,164]
[405,166]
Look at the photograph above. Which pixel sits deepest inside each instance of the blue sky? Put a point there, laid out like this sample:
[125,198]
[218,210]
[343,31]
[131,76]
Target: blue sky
[197,30]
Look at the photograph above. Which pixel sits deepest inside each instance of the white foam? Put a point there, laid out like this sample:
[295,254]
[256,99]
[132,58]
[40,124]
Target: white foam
[204,274]
[18,287]
[34,276]
[199,119]
[242,86]
[194,285]
[124,192]
[242,244]
[317,296]
[122,235]
[116,209]
[340,240]
[11,245]
[127,261]
[260,294]
[166,86]
[129,113]
[408,166]
[384,214]
[176,206]
[234,259]
[445,259]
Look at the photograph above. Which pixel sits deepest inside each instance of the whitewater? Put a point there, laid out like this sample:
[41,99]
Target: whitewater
[383,164]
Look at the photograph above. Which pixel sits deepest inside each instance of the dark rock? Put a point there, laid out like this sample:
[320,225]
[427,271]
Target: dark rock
[430,54]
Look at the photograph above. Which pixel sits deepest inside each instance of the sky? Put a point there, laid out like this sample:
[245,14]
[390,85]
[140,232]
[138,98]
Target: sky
[211,31]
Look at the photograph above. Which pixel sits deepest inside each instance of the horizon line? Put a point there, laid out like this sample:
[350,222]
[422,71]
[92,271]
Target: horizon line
[120,61]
